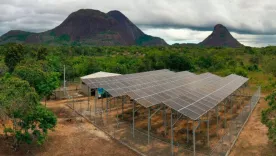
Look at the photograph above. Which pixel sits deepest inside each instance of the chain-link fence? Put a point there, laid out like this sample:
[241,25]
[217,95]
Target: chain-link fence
[72,89]
[115,119]
[226,143]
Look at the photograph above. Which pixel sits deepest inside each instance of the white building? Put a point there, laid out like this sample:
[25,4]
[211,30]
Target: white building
[84,87]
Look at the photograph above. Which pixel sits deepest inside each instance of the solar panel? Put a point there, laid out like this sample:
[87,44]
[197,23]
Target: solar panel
[96,81]
[176,87]
[209,101]
[190,94]
[147,86]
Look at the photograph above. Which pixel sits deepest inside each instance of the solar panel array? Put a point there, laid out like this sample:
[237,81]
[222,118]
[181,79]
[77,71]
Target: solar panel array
[125,80]
[190,94]
[147,82]
[198,99]
[162,91]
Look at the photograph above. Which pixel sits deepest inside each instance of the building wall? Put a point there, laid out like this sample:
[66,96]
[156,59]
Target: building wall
[84,90]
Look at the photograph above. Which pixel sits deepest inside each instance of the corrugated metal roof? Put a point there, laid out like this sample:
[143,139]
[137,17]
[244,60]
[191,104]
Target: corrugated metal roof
[99,75]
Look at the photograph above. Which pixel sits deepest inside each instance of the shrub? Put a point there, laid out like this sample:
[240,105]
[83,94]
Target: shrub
[240,71]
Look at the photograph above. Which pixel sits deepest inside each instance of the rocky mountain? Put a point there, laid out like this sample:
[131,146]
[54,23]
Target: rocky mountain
[220,37]
[91,27]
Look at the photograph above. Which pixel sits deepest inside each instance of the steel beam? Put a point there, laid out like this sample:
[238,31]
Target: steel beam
[165,119]
[102,101]
[95,103]
[123,101]
[187,130]
[177,119]
[117,111]
[88,93]
[194,135]
[208,129]
[225,114]
[231,125]
[194,143]
[133,120]
[217,119]
[155,112]
[172,146]
[106,109]
[149,125]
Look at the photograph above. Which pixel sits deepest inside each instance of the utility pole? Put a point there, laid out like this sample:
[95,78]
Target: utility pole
[64,81]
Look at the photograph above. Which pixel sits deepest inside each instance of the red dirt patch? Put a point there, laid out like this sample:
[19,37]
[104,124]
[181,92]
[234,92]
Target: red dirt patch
[73,136]
[253,139]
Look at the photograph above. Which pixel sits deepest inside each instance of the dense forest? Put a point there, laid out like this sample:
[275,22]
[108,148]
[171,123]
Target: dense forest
[256,63]
[39,69]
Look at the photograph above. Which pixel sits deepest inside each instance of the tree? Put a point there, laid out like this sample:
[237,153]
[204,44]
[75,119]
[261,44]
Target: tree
[44,82]
[270,67]
[269,116]
[49,84]
[179,62]
[42,53]
[20,103]
[3,69]
[249,50]
[13,56]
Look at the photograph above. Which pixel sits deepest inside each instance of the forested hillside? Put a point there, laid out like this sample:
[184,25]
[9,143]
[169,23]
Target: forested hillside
[256,63]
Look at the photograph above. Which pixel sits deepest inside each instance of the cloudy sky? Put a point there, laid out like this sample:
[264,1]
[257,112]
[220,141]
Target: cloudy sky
[252,22]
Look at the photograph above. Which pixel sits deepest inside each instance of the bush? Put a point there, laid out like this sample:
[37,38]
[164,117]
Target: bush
[240,71]
[30,120]
[255,59]
[270,67]
[253,67]
[3,69]
[269,116]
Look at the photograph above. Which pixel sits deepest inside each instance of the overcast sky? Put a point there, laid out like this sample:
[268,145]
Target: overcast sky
[252,22]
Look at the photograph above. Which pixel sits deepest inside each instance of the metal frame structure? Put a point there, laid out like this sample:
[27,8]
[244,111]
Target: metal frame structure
[188,96]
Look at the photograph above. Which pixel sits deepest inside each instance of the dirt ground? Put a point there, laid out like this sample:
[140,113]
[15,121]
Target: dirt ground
[253,139]
[73,136]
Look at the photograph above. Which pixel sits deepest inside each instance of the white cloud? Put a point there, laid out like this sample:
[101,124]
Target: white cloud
[178,35]
[192,36]
[174,20]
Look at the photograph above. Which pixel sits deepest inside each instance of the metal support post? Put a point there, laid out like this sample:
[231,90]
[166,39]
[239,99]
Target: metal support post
[64,82]
[231,125]
[106,98]
[165,119]
[217,119]
[80,107]
[96,98]
[133,120]
[102,96]
[225,114]
[172,146]
[123,101]
[250,103]
[88,93]
[106,109]
[231,105]
[73,103]
[187,130]
[194,143]
[149,126]
[208,129]
[117,111]
[150,118]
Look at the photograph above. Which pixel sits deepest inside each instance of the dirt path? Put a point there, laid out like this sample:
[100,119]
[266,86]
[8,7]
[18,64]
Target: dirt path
[73,136]
[253,139]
